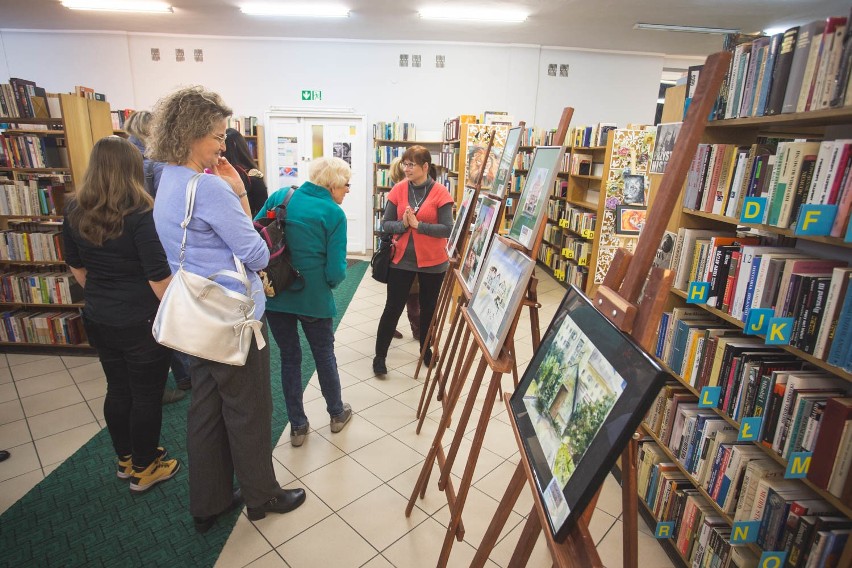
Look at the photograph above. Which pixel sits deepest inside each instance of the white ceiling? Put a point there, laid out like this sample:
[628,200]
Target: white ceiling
[596,24]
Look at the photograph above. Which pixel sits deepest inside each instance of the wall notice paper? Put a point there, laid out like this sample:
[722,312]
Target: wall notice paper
[288,160]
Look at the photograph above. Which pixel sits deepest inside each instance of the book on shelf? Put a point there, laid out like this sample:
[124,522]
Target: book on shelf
[39,286]
[828,449]
[120,116]
[395,131]
[45,328]
[245,125]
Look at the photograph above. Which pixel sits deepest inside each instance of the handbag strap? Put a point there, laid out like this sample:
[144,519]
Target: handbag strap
[240,274]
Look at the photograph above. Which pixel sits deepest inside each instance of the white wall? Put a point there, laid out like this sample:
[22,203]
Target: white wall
[254,74]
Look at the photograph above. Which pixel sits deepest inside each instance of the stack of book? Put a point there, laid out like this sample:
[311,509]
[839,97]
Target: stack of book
[31,151]
[535,136]
[119,117]
[386,154]
[40,194]
[46,328]
[39,286]
[20,98]
[804,68]
[32,241]
[452,127]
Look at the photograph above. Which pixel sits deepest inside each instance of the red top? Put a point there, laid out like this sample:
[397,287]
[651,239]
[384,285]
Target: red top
[430,251]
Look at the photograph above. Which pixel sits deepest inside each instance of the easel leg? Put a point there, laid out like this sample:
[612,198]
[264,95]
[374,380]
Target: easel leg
[529,536]
[462,423]
[434,332]
[441,369]
[629,504]
[423,479]
[510,497]
[476,446]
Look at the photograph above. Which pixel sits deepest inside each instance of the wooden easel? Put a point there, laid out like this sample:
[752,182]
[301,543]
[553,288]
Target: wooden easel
[503,364]
[451,344]
[617,299]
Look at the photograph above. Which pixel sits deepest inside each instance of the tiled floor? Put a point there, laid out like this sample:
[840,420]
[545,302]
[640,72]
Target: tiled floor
[358,481]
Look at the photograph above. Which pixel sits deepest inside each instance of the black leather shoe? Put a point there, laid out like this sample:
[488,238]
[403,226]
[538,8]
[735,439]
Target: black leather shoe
[286,501]
[379,366]
[4,455]
[204,524]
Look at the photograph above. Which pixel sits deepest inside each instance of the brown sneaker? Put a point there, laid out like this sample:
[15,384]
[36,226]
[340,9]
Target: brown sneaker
[338,422]
[298,435]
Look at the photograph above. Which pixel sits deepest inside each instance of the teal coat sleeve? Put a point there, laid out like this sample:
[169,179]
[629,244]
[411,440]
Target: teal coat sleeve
[335,270]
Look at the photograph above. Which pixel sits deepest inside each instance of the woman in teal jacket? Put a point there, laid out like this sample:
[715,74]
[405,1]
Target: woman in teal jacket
[316,236]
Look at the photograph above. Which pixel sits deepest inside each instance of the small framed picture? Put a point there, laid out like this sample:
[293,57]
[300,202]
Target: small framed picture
[629,219]
[634,189]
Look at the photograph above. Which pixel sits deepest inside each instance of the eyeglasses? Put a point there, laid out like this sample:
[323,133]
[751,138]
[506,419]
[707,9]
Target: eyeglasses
[219,138]
[348,184]
[408,165]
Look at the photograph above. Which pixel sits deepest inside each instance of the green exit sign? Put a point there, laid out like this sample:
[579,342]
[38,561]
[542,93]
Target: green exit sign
[308,95]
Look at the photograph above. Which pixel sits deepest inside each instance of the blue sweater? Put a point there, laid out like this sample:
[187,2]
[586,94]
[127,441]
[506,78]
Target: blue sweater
[218,230]
[316,236]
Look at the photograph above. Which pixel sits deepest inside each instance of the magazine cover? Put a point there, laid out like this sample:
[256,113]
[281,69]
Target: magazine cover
[530,212]
[488,211]
[507,160]
[501,285]
[460,219]
[663,146]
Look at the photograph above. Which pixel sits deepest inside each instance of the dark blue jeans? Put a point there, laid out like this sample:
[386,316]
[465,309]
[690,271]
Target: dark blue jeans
[136,369]
[320,336]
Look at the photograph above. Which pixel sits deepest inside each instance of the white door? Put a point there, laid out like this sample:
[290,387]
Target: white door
[293,141]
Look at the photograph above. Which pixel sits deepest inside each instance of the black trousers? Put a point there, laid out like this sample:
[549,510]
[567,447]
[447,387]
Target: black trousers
[136,369]
[399,285]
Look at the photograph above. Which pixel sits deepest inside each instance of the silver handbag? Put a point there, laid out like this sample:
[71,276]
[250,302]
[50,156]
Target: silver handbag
[200,317]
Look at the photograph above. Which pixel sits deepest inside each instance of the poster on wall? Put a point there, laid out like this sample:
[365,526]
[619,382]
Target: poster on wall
[288,161]
[580,400]
[342,150]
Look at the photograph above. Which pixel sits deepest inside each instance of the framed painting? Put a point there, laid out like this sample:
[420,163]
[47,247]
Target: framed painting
[499,289]
[629,219]
[464,206]
[580,400]
[529,215]
[488,211]
[507,161]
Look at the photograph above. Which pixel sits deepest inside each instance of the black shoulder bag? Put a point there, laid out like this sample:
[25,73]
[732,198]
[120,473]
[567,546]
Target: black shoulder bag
[280,274]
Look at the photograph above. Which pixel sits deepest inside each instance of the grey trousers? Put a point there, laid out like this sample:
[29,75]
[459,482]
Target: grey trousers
[229,431]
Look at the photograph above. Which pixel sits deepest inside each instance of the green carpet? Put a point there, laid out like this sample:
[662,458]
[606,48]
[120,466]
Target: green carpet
[83,515]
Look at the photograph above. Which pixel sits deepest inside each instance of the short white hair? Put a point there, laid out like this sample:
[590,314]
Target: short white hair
[329,172]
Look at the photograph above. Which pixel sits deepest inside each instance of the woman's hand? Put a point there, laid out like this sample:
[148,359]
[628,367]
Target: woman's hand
[227,172]
[411,218]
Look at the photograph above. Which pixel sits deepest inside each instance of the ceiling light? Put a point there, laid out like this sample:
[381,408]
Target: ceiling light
[119,6]
[691,29]
[477,13]
[773,31]
[295,10]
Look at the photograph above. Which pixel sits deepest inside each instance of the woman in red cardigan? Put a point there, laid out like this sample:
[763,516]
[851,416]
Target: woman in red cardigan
[420,212]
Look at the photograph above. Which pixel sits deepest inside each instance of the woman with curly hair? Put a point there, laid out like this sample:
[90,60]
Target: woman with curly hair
[114,253]
[229,425]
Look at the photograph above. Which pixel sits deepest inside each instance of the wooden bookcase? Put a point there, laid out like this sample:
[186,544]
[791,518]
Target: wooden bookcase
[827,124]
[381,172]
[83,122]
[257,145]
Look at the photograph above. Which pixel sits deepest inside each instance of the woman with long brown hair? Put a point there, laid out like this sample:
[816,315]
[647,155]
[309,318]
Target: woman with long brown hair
[114,253]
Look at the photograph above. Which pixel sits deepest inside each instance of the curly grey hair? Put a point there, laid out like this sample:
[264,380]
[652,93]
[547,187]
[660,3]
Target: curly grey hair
[180,119]
[139,124]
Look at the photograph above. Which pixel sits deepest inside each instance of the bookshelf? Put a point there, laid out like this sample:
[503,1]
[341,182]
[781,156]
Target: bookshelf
[391,140]
[740,408]
[40,303]
[257,146]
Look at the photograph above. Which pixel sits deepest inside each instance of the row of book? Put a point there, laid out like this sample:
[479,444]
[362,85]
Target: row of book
[31,246]
[790,517]
[575,249]
[30,151]
[39,287]
[380,199]
[39,194]
[744,275]
[119,117]
[449,158]
[535,136]
[452,126]
[45,328]
[383,178]
[563,270]
[20,98]
[89,93]
[804,68]
[754,381]
[245,125]
[394,131]
[788,176]
[590,136]
[386,154]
